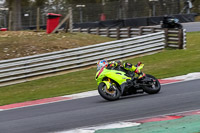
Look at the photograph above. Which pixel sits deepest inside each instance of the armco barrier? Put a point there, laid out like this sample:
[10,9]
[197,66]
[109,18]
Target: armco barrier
[21,69]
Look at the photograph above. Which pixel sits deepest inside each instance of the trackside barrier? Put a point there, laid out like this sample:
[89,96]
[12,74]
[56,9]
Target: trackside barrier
[174,38]
[22,69]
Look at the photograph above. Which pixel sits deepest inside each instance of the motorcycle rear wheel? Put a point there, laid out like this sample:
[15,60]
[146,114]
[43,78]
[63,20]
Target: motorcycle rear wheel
[108,95]
[154,87]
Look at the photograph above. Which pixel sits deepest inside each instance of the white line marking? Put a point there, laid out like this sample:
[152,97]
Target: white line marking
[73,96]
[103,126]
[35,105]
[190,76]
[83,94]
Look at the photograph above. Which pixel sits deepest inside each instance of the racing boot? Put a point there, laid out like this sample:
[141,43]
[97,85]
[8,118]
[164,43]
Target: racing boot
[141,75]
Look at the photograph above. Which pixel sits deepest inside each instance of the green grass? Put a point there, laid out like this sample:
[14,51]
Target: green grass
[164,64]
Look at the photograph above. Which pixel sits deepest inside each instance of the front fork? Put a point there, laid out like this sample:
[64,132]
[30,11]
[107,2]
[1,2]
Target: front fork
[110,86]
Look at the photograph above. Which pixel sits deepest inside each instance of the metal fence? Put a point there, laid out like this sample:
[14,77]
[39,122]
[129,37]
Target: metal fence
[90,12]
[23,69]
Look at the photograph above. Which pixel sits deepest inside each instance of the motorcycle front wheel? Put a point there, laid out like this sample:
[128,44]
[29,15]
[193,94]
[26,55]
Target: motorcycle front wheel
[107,93]
[153,87]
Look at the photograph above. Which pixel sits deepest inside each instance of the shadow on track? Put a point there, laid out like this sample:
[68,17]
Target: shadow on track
[134,96]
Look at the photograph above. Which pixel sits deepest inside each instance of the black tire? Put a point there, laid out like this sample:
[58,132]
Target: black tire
[152,89]
[104,92]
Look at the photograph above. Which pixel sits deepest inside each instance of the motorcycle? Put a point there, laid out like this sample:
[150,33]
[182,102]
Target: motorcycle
[115,83]
[170,22]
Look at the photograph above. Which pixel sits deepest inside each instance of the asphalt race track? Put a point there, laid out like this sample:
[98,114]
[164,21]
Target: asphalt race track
[193,26]
[70,114]
[190,26]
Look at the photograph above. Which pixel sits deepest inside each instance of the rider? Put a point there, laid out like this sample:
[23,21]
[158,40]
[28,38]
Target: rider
[117,65]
